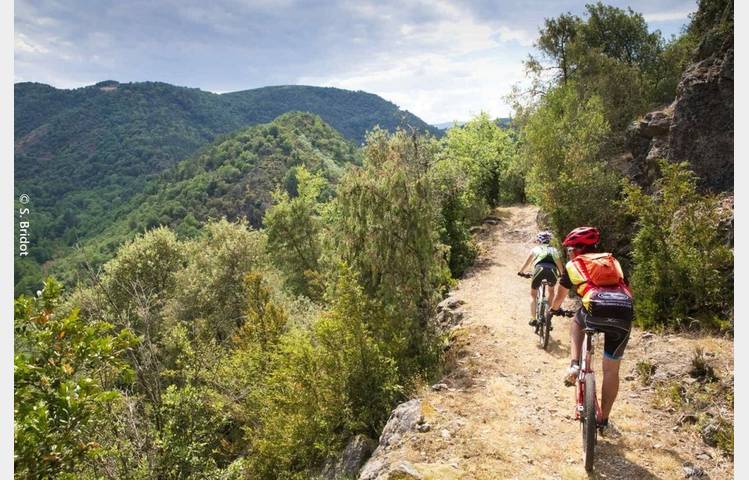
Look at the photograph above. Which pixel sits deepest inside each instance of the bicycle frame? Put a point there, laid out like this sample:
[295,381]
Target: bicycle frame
[586,366]
[541,297]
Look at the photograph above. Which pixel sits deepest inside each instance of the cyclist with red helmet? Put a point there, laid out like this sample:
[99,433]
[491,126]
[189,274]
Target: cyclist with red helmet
[606,306]
[546,266]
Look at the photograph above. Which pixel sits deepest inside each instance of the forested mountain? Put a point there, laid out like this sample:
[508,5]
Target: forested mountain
[233,178]
[204,348]
[81,155]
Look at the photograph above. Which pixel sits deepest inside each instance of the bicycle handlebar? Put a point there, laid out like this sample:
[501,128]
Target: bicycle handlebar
[526,275]
[561,312]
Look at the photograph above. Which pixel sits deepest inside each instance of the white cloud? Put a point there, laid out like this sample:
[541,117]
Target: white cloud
[450,67]
[24,44]
[435,87]
[667,16]
[523,37]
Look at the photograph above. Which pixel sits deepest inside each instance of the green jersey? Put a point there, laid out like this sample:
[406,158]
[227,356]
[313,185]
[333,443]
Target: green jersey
[545,254]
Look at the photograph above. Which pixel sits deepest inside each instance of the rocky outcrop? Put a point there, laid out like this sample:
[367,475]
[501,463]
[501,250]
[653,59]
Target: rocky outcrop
[702,127]
[696,128]
[409,418]
[449,313]
[351,459]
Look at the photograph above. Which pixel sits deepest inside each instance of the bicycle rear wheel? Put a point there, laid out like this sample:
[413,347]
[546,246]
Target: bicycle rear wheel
[541,321]
[589,421]
[545,328]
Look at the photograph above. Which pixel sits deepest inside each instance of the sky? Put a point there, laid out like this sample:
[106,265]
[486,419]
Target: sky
[442,60]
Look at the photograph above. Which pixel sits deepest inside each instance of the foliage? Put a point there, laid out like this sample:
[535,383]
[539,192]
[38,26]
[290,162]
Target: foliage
[327,383]
[90,158]
[65,368]
[683,268]
[711,27]
[209,285]
[476,168]
[555,40]
[484,151]
[293,226]
[457,208]
[568,179]
[612,54]
[384,221]
[190,442]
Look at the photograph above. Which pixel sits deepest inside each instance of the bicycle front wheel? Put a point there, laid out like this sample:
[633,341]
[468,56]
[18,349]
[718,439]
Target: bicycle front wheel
[589,421]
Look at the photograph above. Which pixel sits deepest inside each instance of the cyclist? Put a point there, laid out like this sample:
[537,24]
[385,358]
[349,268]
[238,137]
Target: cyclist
[547,265]
[606,305]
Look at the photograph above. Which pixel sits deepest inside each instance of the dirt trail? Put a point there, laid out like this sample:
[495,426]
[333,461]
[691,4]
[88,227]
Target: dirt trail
[506,413]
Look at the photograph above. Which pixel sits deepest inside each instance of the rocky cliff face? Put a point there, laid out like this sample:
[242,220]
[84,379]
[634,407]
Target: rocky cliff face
[697,127]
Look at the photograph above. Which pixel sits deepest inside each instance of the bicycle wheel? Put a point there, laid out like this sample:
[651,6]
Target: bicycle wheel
[589,421]
[541,321]
[545,330]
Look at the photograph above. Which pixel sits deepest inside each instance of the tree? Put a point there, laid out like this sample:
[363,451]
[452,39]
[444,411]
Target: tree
[385,223]
[294,226]
[555,41]
[569,179]
[484,151]
[683,268]
[621,35]
[64,372]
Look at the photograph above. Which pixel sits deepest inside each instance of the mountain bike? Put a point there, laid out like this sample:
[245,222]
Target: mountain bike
[587,408]
[543,319]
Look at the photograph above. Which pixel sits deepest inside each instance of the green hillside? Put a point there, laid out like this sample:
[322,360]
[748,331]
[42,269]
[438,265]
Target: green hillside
[232,178]
[83,154]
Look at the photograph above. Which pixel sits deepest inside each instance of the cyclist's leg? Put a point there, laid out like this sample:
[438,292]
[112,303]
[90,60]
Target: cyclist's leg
[615,341]
[534,298]
[576,335]
[552,284]
[610,386]
[535,283]
[550,292]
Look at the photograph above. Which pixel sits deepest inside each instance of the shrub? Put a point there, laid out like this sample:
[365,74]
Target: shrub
[385,225]
[325,385]
[568,179]
[683,270]
[64,369]
[293,226]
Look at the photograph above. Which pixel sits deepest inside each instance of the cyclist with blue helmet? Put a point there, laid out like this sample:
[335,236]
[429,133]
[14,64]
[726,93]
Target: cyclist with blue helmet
[546,264]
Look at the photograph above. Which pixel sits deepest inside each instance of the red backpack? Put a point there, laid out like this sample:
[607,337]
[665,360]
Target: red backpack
[604,293]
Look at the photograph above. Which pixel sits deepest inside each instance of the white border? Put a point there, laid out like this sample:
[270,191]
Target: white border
[741,329]
[6,222]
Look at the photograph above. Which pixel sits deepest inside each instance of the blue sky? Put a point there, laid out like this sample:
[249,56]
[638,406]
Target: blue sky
[442,60]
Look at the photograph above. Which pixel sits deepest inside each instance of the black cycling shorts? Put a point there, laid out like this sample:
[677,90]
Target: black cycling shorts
[544,271]
[615,332]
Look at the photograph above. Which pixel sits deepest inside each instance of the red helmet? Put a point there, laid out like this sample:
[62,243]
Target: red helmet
[582,236]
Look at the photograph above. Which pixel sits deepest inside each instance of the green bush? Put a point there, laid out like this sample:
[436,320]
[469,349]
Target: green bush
[326,384]
[484,152]
[385,223]
[683,269]
[64,371]
[294,226]
[457,211]
[568,178]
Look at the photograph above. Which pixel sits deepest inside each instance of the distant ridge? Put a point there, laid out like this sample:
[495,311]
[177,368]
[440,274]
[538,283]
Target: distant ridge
[82,154]
[503,122]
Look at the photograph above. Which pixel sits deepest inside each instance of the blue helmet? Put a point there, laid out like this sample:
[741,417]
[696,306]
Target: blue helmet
[543,237]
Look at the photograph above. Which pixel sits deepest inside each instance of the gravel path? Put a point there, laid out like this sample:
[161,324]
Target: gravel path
[505,413]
